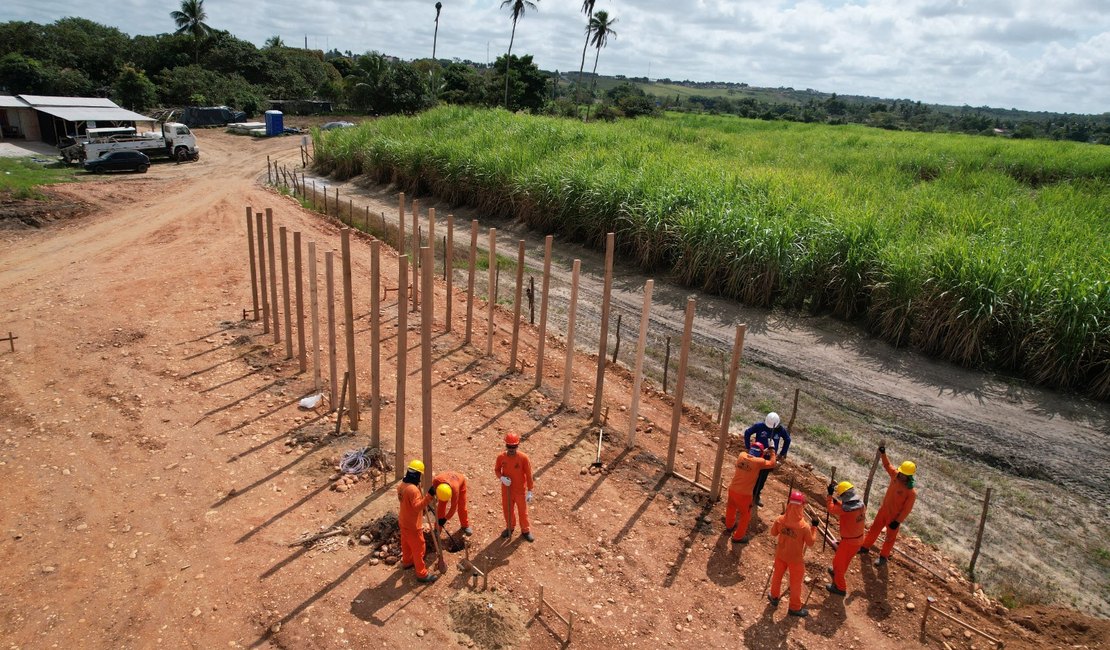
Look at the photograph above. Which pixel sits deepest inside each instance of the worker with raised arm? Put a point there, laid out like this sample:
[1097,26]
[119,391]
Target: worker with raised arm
[738,511]
[770,433]
[897,504]
[847,506]
[450,490]
[514,470]
[794,535]
[410,520]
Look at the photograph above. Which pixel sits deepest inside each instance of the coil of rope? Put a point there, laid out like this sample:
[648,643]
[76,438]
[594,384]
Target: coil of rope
[355,461]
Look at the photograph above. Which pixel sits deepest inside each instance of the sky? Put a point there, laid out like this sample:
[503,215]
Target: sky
[1051,55]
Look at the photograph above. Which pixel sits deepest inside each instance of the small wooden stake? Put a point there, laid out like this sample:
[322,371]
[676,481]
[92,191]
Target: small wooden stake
[333,371]
[517,304]
[349,310]
[979,535]
[298,285]
[680,383]
[401,238]
[638,373]
[375,338]
[871,474]
[726,416]
[617,347]
[314,311]
[470,280]
[269,178]
[530,292]
[426,362]
[273,271]
[572,309]
[547,242]
[449,270]
[402,359]
[491,289]
[603,336]
[666,363]
[262,273]
[285,298]
[250,253]
[793,410]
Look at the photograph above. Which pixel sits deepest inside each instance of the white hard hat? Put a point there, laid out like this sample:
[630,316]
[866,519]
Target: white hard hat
[772,420]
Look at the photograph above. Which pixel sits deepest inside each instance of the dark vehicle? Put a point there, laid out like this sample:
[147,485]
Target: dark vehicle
[119,161]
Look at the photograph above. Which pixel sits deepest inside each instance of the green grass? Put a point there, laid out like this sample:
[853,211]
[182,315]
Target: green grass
[984,252]
[20,178]
[827,435]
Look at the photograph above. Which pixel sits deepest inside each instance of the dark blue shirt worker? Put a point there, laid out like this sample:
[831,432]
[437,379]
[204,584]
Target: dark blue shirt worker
[771,434]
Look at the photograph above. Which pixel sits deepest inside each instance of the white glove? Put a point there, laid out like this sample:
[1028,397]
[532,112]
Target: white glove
[506,481]
[528,497]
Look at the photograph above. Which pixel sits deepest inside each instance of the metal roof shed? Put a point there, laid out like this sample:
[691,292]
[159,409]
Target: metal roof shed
[61,117]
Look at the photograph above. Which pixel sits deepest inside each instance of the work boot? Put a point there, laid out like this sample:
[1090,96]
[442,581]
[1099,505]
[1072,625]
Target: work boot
[880,561]
[507,533]
[430,578]
[407,566]
[468,531]
[831,572]
[774,600]
[528,537]
[833,590]
[864,550]
[800,613]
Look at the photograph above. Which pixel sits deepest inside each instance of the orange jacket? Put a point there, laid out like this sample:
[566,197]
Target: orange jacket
[899,498]
[518,468]
[455,481]
[852,524]
[794,534]
[747,472]
[413,502]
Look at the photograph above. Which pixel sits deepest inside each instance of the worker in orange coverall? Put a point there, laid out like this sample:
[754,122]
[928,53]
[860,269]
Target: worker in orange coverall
[514,470]
[897,504]
[410,519]
[794,535]
[848,507]
[738,512]
[453,493]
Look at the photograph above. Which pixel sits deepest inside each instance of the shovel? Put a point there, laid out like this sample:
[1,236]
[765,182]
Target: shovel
[595,467]
[441,564]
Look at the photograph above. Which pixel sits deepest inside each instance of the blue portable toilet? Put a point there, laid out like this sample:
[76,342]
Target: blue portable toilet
[274,124]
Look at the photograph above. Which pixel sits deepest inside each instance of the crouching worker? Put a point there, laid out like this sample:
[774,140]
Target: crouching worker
[738,512]
[897,504]
[450,489]
[410,519]
[847,506]
[794,535]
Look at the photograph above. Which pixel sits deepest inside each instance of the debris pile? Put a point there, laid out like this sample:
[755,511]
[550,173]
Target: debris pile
[488,619]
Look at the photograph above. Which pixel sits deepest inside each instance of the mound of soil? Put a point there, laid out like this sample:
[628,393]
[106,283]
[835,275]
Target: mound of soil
[488,619]
[23,214]
[1064,625]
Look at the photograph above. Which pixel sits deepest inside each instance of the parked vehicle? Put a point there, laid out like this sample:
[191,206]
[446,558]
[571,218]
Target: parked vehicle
[175,141]
[119,161]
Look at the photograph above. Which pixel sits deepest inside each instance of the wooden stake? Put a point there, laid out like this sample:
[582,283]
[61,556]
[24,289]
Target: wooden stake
[449,270]
[871,474]
[726,416]
[250,253]
[375,339]
[491,289]
[273,271]
[530,292]
[517,305]
[547,242]
[285,298]
[793,410]
[572,309]
[314,311]
[638,373]
[269,178]
[666,363]
[617,347]
[979,535]
[603,336]
[680,383]
[262,273]
[426,363]
[349,310]
[333,371]
[298,285]
[402,360]
[470,280]
[401,237]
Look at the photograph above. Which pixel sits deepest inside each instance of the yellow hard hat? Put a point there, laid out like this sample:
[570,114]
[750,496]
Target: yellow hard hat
[843,487]
[417,466]
[443,492]
[907,468]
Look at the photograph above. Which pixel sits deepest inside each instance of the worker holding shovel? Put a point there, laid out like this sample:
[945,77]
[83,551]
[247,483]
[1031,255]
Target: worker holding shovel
[794,535]
[770,433]
[897,504]
[413,504]
[450,489]
[738,512]
[514,470]
[849,508]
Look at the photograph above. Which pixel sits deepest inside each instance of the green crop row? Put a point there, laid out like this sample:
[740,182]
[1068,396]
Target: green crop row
[987,252]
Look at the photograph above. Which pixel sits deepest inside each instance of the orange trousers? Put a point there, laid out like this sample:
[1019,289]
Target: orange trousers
[738,504]
[842,560]
[797,573]
[412,550]
[881,520]
[509,499]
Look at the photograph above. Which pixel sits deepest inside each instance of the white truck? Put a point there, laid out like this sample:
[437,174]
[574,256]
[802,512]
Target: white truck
[174,141]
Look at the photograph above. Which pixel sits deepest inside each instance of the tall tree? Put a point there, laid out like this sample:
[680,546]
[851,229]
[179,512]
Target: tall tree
[517,7]
[190,19]
[602,27]
[274,42]
[588,9]
[435,37]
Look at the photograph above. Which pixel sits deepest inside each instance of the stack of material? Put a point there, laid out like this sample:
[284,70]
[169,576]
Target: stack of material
[257,129]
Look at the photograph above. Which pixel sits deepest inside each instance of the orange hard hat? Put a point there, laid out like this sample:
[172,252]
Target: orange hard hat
[512,439]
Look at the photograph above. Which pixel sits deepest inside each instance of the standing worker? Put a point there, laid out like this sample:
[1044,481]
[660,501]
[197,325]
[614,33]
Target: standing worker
[450,488]
[514,470]
[770,433]
[413,502]
[896,506]
[849,509]
[794,535]
[749,464]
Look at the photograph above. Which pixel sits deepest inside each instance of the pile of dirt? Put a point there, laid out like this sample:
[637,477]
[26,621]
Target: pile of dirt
[488,619]
[23,214]
[1064,625]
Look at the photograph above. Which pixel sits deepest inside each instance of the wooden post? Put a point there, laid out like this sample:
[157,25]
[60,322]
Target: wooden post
[273,271]
[262,273]
[680,383]
[572,309]
[339,215]
[666,363]
[979,535]
[426,362]
[793,410]
[726,416]
[285,298]
[402,359]
[367,220]
[491,289]
[871,474]
[250,253]
[617,347]
[531,293]
[401,237]
[375,338]
[349,310]
[429,287]
[449,270]
[415,255]
[269,178]
[603,336]
[333,371]
[298,285]
[517,305]
[314,195]
[547,242]
[314,311]
[638,373]
[470,280]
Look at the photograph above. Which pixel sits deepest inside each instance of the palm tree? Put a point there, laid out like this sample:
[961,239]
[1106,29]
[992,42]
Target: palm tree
[602,27]
[439,7]
[517,7]
[588,9]
[191,19]
[273,42]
